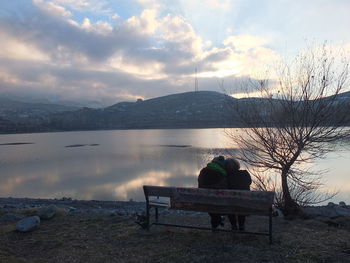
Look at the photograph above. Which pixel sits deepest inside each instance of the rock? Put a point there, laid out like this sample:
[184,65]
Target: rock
[329,211]
[28,224]
[331,223]
[66,199]
[342,204]
[121,213]
[113,213]
[6,206]
[342,211]
[47,212]
[9,217]
[71,209]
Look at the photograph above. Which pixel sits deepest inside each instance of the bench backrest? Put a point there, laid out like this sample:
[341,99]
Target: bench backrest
[214,200]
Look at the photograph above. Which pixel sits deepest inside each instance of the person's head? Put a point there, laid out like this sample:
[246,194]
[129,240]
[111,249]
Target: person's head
[220,160]
[231,165]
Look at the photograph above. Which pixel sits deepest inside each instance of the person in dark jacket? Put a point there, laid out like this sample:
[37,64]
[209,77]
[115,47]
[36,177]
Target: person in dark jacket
[214,176]
[237,180]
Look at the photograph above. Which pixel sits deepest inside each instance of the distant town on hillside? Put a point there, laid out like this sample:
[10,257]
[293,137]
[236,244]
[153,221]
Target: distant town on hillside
[200,109]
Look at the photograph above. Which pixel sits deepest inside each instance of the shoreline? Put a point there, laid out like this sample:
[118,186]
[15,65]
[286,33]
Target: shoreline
[133,208]
[72,205]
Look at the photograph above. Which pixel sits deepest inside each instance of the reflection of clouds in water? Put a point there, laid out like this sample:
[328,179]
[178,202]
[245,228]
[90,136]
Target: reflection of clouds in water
[133,189]
[102,176]
[28,183]
[149,178]
[124,161]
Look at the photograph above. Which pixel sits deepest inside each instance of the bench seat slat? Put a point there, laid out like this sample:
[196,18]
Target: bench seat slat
[217,201]
[222,194]
[217,209]
[159,203]
[162,191]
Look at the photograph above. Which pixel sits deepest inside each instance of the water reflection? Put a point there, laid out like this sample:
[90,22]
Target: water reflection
[117,166]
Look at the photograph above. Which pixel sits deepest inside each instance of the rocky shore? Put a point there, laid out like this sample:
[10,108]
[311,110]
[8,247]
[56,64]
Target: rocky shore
[67,230]
[48,208]
[75,206]
[132,208]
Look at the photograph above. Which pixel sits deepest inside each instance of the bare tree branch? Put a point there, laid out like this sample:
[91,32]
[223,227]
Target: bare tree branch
[296,118]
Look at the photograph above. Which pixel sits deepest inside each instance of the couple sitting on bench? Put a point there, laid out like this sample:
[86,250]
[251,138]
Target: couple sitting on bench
[225,174]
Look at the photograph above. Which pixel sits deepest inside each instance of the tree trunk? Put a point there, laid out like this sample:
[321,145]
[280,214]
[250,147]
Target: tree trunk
[291,208]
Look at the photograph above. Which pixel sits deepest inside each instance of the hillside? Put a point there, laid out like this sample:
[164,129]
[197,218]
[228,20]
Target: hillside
[184,110]
[202,109]
[14,110]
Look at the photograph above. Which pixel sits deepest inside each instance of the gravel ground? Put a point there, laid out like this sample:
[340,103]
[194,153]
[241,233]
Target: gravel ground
[105,231]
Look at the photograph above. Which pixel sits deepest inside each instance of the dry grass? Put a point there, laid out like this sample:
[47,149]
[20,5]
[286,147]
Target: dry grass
[93,238]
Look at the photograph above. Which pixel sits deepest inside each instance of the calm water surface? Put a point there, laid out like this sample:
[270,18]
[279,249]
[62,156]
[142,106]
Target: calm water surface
[113,165]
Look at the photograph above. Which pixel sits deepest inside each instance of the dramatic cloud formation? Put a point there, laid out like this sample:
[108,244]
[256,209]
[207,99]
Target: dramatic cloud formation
[108,51]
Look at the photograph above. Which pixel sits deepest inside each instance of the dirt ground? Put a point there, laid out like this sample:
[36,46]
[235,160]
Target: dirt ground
[86,237]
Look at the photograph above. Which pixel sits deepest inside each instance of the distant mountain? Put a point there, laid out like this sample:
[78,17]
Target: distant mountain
[19,111]
[185,110]
[7,126]
[202,109]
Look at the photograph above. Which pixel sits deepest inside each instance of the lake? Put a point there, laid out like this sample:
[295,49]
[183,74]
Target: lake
[113,165]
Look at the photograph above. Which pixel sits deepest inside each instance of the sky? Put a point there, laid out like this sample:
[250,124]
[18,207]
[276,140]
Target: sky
[100,52]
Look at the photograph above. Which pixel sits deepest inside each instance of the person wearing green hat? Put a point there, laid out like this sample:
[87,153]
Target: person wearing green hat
[214,176]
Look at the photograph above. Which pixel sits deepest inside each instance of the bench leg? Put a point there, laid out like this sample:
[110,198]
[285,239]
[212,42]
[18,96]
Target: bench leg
[270,227]
[147,216]
[157,214]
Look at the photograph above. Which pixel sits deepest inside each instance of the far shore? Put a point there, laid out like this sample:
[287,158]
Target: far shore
[136,129]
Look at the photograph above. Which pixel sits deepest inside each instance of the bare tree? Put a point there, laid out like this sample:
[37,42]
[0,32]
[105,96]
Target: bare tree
[294,120]
[314,193]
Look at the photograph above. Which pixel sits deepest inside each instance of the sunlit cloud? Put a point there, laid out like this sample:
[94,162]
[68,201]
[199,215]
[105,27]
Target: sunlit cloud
[245,42]
[152,71]
[99,27]
[12,48]
[146,23]
[102,48]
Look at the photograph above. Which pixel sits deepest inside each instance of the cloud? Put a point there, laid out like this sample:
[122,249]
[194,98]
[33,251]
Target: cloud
[152,4]
[100,27]
[245,42]
[75,49]
[12,48]
[145,23]
[89,6]
[146,55]
[75,4]
[52,8]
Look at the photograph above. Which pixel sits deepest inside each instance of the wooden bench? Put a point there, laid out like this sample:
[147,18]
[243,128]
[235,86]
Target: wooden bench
[220,201]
